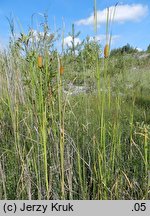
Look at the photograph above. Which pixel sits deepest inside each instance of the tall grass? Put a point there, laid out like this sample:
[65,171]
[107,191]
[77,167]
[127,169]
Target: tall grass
[93,145]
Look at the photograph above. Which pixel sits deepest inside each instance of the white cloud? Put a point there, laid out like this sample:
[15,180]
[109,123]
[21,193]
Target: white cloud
[68,40]
[139,49]
[37,35]
[123,13]
[102,38]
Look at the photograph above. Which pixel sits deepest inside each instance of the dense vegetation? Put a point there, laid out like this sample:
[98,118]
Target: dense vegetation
[60,142]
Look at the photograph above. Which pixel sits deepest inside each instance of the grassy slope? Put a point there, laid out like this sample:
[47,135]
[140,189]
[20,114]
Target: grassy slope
[88,146]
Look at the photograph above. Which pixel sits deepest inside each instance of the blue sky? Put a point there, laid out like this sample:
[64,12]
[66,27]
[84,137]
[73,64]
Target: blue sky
[131,24]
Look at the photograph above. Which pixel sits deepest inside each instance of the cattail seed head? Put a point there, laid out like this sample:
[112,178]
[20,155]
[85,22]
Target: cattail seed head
[106,51]
[61,70]
[40,61]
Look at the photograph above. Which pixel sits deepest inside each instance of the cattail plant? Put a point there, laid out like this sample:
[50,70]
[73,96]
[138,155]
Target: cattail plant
[109,22]
[63,146]
[106,51]
[40,61]
[61,68]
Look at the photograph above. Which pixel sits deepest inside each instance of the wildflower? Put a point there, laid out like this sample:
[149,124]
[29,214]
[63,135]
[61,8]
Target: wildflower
[106,51]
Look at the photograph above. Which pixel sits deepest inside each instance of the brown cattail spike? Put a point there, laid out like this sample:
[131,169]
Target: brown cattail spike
[40,61]
[61,68]
[106,51]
